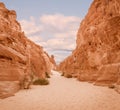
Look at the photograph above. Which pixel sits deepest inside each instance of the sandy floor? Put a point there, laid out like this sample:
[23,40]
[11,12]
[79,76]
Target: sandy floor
[63,94]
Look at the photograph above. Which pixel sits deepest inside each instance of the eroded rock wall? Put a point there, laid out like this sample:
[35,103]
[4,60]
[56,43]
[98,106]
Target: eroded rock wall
[97,54]
[19,57]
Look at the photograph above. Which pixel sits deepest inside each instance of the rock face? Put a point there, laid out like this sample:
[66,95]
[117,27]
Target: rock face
[97,54]
[19,57]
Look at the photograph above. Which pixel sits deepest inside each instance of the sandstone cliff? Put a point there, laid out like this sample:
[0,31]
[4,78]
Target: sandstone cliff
[97,55]
[19,57]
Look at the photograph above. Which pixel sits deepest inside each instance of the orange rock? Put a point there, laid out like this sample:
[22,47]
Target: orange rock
[97,54]
[19,57]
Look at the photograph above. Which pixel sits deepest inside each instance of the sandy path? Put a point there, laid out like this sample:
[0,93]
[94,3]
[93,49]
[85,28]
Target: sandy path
[63,94]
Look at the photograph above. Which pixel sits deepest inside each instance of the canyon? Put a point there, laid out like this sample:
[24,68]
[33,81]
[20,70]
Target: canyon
[96,58]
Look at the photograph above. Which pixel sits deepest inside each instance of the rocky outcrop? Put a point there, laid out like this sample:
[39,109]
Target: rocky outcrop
[52,59]
[97,55]
[20,58]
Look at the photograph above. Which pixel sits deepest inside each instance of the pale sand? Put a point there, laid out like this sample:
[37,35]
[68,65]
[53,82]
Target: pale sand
[63,94]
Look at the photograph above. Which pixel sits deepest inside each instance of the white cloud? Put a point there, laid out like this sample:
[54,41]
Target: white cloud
[54,32]
[60,44]
[59,22]
[31,27]
[36,39]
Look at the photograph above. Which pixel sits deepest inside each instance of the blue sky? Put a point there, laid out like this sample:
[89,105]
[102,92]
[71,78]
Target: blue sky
[52,24]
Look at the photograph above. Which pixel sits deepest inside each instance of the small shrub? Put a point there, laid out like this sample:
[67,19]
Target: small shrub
[47,75]
[111,86]
[68,76]
[41,82]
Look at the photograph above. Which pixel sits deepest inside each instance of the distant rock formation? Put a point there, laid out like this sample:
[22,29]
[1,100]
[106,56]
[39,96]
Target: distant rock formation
[20,58]
[97,55]
[52,59]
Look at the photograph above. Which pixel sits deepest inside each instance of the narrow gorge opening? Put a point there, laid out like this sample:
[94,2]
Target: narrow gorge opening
[53,26]
[56,29]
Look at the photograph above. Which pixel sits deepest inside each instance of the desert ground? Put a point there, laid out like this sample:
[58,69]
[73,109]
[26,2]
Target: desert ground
[63,94]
